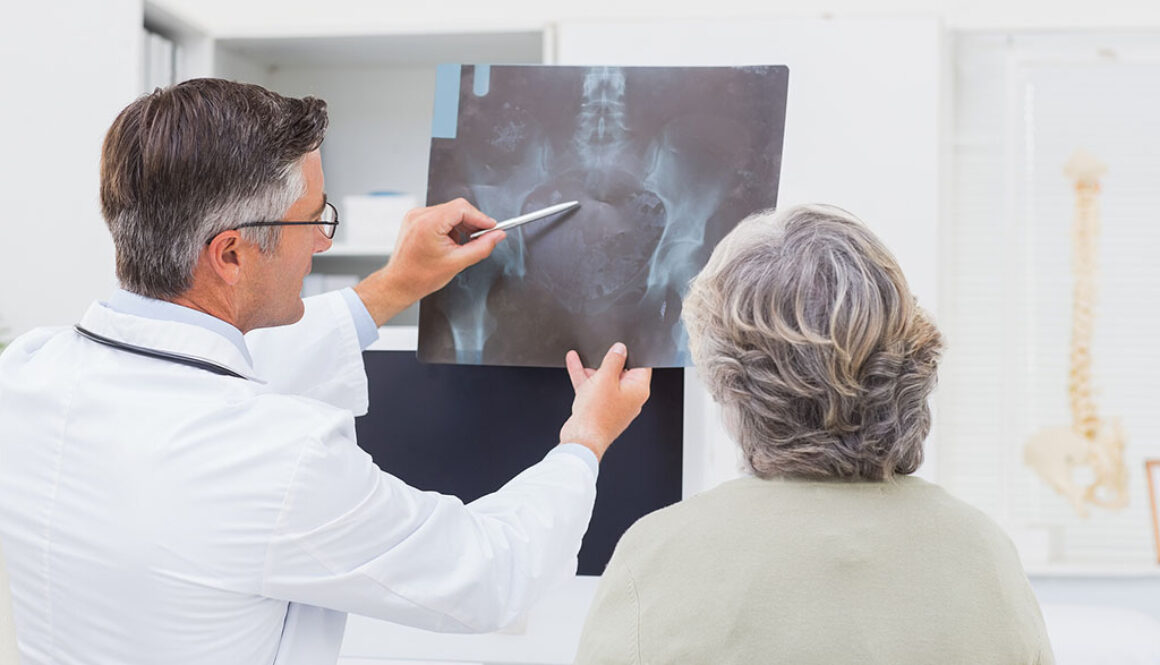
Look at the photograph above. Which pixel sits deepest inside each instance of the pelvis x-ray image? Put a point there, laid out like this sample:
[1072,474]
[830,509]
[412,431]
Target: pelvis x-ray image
[664,162]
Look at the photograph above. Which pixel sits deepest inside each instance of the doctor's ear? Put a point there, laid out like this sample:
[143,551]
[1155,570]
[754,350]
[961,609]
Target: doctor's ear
[223,256]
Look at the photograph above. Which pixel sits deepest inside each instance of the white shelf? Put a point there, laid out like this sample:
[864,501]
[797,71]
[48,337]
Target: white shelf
[396,338]
[356,251]
[1093,570]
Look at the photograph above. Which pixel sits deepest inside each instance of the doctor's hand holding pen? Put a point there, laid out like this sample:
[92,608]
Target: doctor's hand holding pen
[607,400]
[427,255]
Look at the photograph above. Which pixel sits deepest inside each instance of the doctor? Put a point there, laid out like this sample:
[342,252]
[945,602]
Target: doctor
[179,475]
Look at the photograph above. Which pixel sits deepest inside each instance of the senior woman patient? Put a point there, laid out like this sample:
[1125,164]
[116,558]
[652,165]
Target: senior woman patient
[805,332]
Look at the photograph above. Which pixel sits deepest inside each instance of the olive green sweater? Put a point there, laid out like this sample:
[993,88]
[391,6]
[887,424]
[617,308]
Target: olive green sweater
[825,573]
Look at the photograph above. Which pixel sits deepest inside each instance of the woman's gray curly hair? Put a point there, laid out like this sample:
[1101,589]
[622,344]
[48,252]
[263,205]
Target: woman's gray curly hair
[804,329]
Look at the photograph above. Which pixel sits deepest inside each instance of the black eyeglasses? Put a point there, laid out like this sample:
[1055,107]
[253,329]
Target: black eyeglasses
[328,220]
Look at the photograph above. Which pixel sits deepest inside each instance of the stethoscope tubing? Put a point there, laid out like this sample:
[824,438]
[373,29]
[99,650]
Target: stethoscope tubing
[166,356]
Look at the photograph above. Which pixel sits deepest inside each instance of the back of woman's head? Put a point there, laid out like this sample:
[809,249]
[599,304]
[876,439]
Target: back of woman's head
[804,329]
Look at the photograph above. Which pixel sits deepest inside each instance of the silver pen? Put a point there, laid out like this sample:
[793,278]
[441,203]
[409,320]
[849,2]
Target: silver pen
[529,217]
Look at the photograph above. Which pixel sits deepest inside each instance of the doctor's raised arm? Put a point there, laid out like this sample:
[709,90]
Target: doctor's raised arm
[326,343]
[181,479]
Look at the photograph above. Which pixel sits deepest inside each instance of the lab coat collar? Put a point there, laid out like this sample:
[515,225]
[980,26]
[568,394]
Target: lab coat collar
[178,337]
[127,302]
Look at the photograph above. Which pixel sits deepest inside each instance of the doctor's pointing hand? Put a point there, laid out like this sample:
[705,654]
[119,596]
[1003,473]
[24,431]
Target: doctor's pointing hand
[180,473]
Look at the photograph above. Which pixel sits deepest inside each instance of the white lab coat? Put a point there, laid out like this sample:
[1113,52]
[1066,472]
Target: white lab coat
[158,513]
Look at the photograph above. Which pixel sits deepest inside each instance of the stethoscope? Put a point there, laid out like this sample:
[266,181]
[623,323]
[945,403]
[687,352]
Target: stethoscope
[167,356]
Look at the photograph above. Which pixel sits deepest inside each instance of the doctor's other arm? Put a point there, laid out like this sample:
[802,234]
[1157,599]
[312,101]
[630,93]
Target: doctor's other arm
[353,538]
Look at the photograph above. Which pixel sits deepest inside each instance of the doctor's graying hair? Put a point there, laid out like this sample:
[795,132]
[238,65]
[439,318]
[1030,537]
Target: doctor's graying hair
[187,162]
[806,333]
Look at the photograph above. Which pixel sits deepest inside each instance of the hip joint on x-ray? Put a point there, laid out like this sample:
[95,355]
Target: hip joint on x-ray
[664,162]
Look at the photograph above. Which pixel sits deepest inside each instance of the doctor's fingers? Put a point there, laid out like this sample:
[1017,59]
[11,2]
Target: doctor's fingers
[577,372]
[612,365]
[474,251]
[575,369]
[460,214]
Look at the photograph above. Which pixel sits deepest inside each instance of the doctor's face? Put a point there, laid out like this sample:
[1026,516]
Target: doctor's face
[279,281]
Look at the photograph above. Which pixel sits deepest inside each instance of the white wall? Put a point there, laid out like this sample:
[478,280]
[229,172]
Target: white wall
[258,17]
[357,158]
[67,68]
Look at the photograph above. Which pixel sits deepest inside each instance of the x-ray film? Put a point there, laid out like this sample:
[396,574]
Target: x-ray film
[664,161]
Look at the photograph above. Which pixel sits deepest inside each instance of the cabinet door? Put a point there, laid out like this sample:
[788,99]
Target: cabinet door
[863,122]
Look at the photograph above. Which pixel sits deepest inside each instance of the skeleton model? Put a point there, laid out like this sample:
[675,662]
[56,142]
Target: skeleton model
[1092,447]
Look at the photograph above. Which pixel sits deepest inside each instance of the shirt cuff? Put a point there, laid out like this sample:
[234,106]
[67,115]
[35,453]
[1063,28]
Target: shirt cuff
[583,452]
[368,332]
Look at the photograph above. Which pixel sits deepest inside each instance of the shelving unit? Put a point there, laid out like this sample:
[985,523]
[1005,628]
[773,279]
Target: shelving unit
[339,250]
[379,89]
